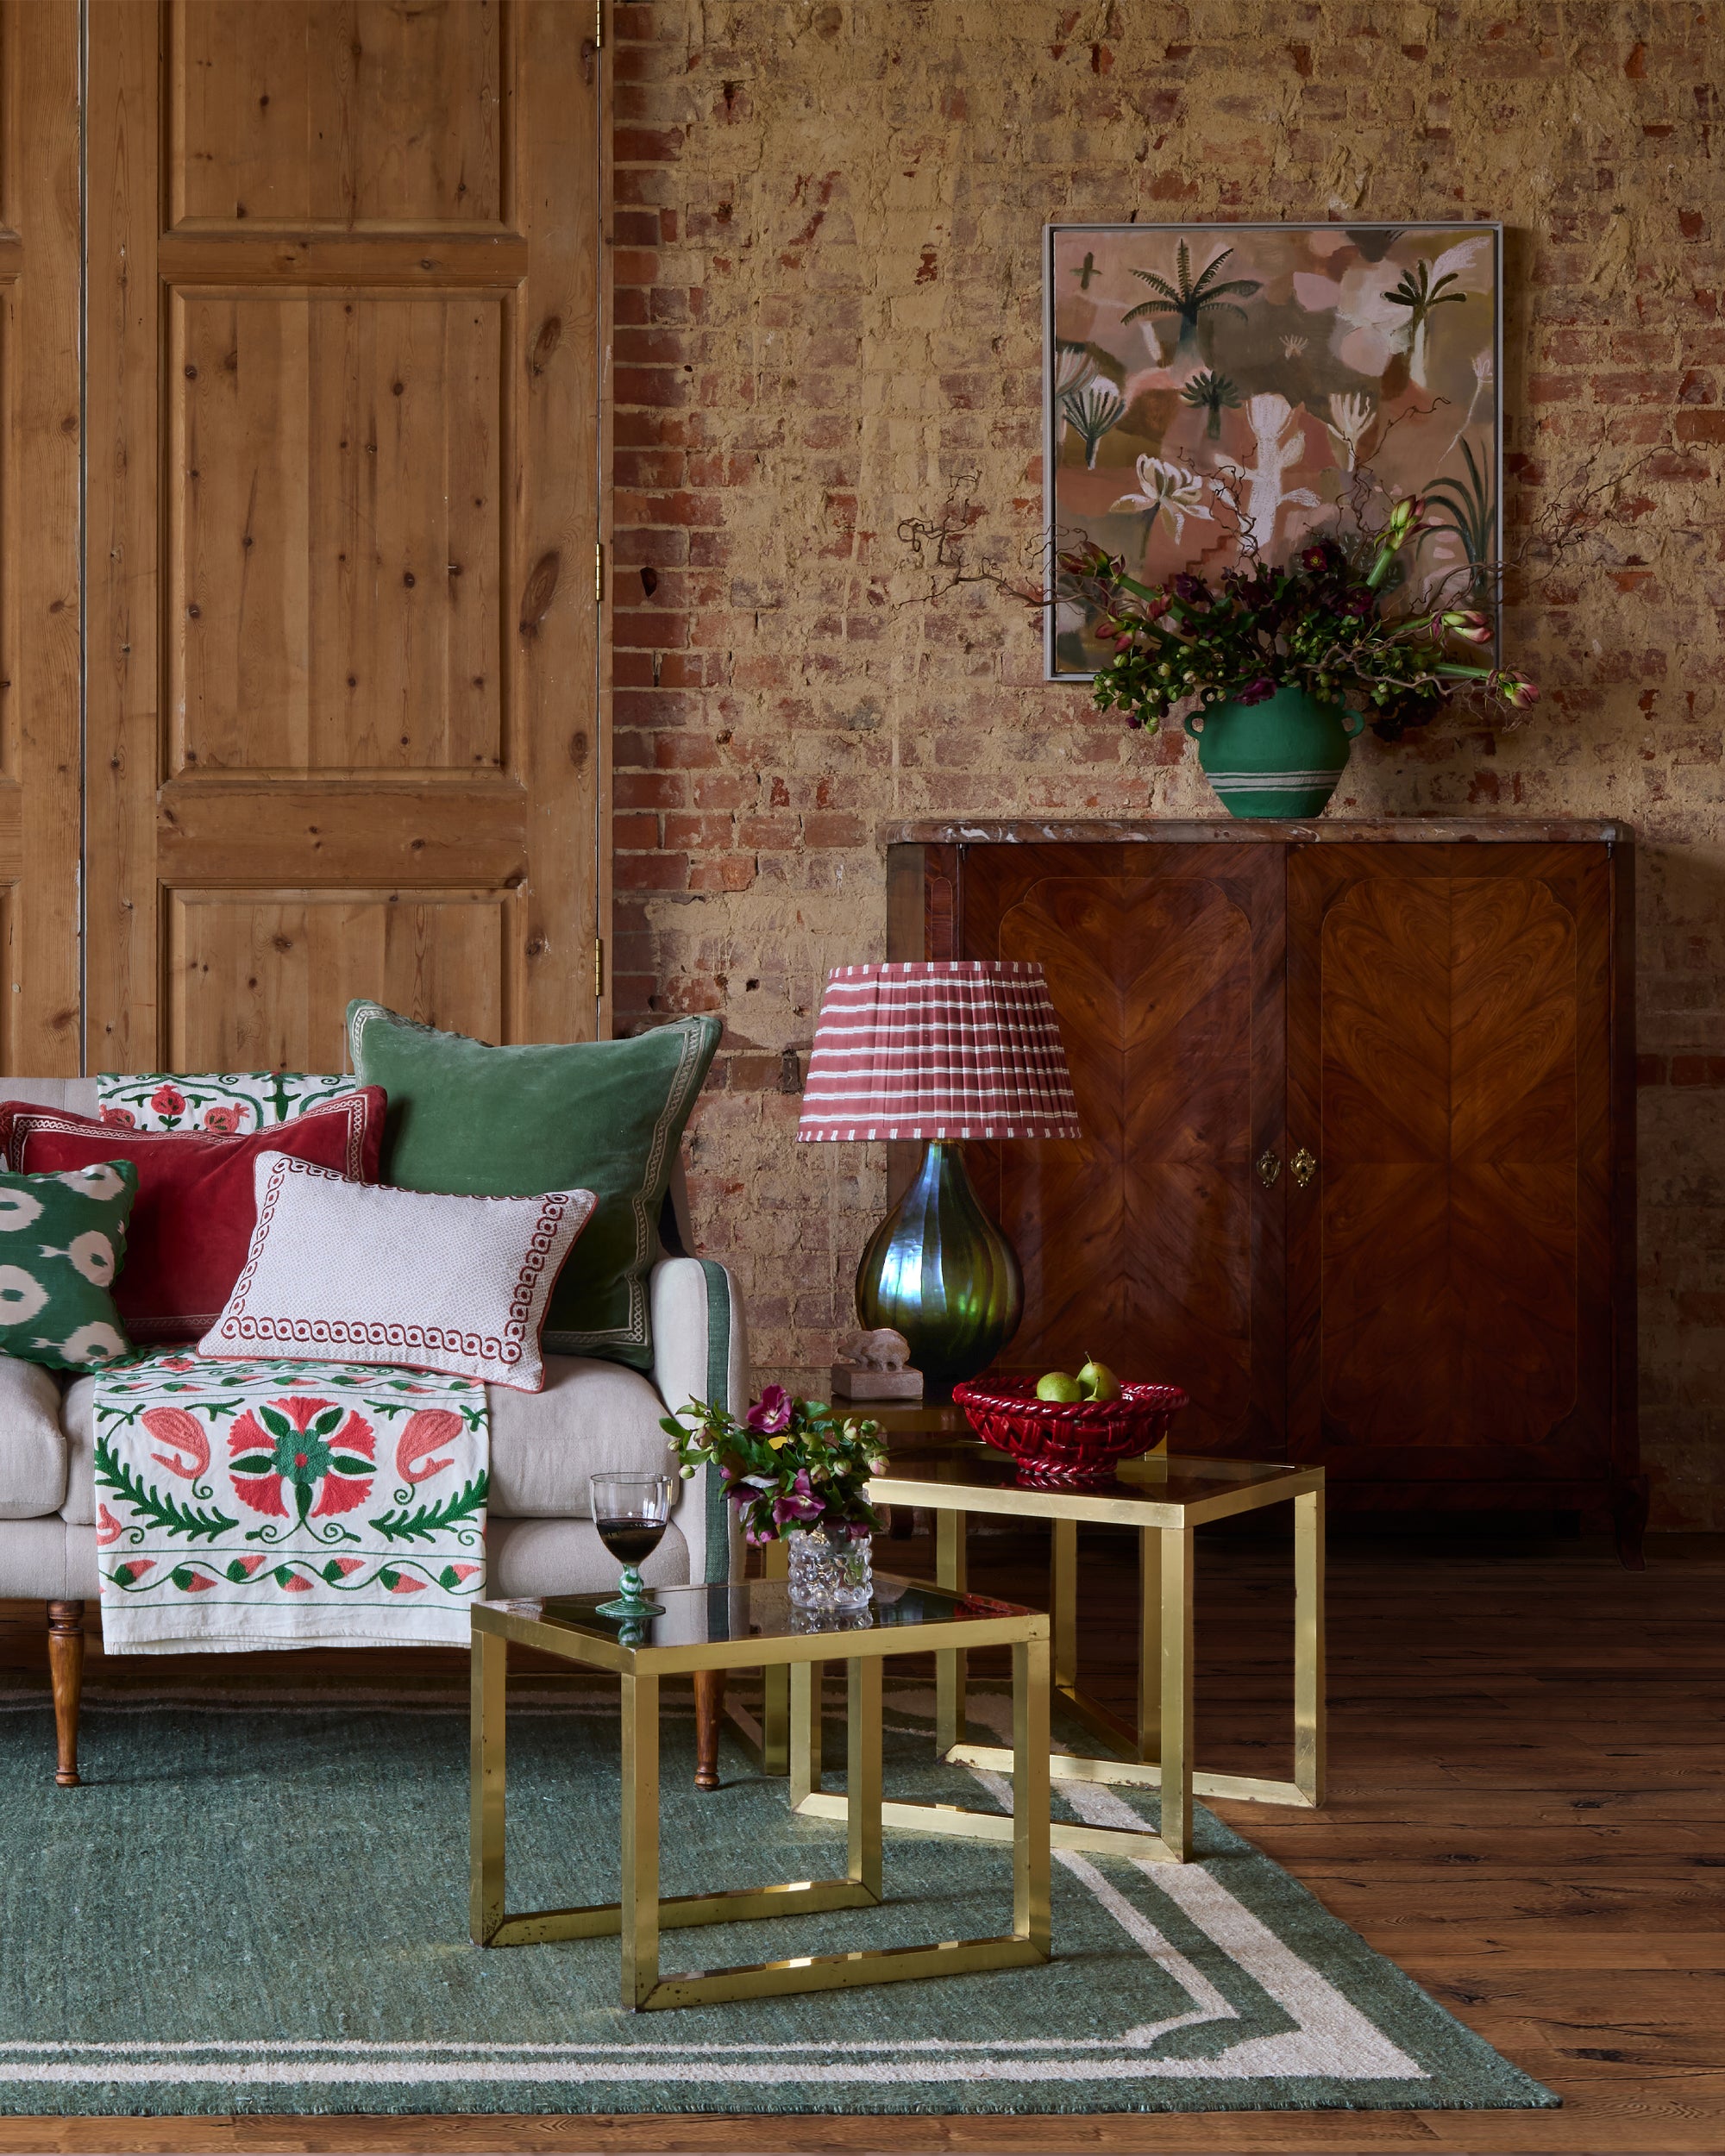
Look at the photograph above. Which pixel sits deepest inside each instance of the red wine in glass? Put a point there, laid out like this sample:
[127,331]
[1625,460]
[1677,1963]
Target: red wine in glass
[630,1513]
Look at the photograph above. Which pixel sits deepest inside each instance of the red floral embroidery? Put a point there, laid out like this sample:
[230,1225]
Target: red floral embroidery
[297,1444]
[226,1121]
[168,1100]
[425,1430]
[174,1426]
[108,1528]
[121,1118]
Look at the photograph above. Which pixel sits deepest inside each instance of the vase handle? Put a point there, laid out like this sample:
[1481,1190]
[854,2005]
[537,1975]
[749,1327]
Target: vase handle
[1193,723]
[1353,723]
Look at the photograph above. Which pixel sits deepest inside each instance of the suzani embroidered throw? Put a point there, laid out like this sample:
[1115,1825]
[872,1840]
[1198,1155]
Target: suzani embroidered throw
[284,1504]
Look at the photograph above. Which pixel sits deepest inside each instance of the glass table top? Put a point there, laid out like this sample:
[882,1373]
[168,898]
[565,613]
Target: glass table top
[754,1609]
[1156,1479]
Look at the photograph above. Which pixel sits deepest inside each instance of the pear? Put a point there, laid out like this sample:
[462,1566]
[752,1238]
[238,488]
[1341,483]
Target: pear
[1097,1381]
[1057,1385]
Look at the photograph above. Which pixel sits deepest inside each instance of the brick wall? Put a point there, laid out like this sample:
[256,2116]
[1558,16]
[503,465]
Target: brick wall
[828,309]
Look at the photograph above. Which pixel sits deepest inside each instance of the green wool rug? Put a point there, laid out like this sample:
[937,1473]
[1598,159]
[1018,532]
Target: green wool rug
[259,1904]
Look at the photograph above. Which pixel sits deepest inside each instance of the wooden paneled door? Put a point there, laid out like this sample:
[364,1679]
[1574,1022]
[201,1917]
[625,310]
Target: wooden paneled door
[1450,1254]
[40,654]
[343,714]
[1154,1240]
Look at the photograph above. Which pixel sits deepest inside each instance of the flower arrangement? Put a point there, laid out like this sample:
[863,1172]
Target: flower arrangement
[1321,621]
[787,1465]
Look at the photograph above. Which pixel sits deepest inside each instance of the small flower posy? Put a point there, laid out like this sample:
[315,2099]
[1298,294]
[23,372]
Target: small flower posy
[786,1465]
[1323,622]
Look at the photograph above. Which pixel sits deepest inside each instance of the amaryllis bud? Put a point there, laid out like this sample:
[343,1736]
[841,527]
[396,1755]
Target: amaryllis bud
[1472,628]
[1518,691]
[1406,514]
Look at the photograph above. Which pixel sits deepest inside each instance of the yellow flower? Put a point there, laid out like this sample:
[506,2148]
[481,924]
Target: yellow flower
[778,1444]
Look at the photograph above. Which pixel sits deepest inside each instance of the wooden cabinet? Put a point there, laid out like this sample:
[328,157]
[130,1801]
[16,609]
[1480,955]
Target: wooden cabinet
[1358,1160]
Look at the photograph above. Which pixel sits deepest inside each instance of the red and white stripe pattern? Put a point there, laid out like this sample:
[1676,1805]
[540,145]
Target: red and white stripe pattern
[943,1047]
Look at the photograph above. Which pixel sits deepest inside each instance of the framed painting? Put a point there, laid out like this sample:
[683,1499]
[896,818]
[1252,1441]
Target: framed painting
[1214,391]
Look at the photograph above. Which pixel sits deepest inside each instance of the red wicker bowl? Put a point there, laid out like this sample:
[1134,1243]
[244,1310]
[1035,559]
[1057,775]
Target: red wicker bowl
[1055,1441]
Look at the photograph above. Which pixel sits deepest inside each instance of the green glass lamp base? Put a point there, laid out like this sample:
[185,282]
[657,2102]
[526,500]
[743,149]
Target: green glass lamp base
[941,1272]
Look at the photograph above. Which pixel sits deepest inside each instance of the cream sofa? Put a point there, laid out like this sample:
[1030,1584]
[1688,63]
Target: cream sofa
[540,1537]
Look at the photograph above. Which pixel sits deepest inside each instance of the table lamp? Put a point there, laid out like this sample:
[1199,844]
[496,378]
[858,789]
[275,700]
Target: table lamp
[941,1050]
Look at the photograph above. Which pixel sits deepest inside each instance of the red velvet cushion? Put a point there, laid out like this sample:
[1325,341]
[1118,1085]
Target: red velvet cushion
[192,1223]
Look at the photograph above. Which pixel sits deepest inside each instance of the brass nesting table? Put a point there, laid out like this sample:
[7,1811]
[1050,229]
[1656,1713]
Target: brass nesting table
[1164,1501]
[752,1625]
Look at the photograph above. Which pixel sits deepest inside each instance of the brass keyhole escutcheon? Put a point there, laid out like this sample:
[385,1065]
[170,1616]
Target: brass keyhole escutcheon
[1304,1166]
[1268,1168]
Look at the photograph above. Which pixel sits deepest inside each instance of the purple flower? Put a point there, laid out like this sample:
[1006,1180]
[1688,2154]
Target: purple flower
[1192,589]
[798,1503]
[1258,692]
[771,1412]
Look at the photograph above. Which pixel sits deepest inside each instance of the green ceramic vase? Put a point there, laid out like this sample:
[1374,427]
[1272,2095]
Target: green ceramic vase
[941,1272]
[1280,758]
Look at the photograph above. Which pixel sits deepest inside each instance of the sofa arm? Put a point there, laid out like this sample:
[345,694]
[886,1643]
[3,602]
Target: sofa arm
[700,1351]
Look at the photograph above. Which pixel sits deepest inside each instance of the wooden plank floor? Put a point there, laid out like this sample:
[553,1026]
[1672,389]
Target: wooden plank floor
[1527,1814]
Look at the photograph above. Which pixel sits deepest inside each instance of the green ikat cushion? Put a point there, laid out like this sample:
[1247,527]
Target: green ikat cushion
[603,1116]
[62,1244]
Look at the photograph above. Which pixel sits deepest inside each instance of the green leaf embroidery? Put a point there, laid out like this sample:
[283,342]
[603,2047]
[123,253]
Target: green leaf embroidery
[329,1423]
[159,1510]
[404,1526]
[254,1464]
[275,1422]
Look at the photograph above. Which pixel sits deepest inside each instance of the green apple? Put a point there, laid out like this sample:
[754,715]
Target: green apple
[1097,1381]
[1057,1385]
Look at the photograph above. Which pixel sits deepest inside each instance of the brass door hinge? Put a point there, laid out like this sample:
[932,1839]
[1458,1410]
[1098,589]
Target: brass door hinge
[599,573]
[598,23]
[599,968]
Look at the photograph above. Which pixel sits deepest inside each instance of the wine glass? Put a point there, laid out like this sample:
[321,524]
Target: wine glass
[631,1512]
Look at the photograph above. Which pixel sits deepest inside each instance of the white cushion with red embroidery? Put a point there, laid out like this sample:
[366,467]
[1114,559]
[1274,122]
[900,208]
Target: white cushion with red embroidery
[345,1272]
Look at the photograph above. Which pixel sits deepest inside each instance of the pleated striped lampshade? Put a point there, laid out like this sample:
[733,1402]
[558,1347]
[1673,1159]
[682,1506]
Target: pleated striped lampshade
[938,1048]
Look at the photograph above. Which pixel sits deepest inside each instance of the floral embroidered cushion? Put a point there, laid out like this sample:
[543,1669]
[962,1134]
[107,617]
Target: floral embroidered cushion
[605,1116]
[338,1272]
[228,1103]
[62,1244]
[194,1215]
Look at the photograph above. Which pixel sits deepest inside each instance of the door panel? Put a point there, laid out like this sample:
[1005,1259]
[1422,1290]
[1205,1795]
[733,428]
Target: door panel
[1448,1264]
[342,707]
[1150,1240]
[298,114]
[39,657]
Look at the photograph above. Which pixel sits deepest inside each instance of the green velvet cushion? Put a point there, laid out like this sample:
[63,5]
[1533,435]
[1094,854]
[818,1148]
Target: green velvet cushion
[605,1116]
[62,1242]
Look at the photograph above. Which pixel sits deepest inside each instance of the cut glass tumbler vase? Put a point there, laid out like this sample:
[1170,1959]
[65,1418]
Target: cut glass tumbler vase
[832,1578]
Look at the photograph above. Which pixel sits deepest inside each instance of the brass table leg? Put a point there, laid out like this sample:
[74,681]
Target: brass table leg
[1149,1644]
[1176,1692]
[639,1908]
[775,1687]
[1032,1833]
[950,1666]
[1063,1601]
[805,1729]
[1308,1646]
[489,1675]
[863,1774]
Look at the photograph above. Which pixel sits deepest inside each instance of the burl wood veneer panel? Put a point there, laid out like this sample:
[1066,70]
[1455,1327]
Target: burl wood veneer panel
[354,113]
[1144,1241]
[1450,1256]
[336,539]
[258,980]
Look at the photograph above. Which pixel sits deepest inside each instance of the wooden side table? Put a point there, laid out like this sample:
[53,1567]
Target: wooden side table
[746,1626]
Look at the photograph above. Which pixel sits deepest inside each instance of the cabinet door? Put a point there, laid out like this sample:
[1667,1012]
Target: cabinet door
[1153,1241]
[1449,1070]
[344,284]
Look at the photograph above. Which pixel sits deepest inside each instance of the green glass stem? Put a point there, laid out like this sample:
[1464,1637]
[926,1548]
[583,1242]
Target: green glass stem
[632,1598]
[941,1272]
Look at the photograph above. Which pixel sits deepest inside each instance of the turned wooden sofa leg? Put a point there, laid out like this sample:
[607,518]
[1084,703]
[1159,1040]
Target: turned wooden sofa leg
[709,1713]
[65,1667]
